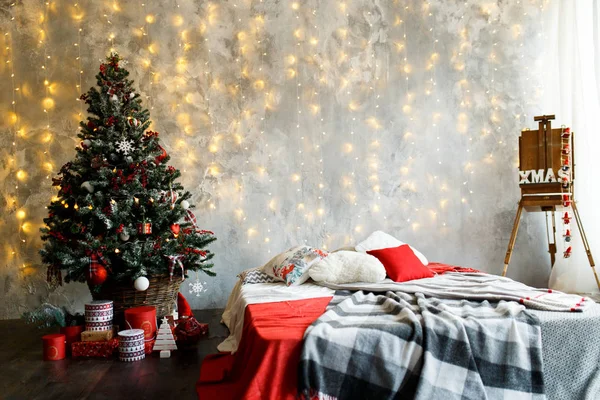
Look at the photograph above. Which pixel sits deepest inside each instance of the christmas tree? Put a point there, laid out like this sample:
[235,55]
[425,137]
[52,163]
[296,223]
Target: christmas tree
[164,338]
[120,213]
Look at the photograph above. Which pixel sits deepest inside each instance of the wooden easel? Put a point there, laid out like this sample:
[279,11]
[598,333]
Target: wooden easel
[541,150]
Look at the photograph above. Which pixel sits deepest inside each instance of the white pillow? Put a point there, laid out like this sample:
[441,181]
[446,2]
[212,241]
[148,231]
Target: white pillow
[381,240]
[347,267]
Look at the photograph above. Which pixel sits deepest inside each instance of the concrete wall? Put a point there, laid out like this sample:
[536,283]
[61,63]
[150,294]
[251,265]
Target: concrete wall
[294,122]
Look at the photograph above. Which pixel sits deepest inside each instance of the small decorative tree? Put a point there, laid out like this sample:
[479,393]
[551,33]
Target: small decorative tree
[120,215]
[165,341]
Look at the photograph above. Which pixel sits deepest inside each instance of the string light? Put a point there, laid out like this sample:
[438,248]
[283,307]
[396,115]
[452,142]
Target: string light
[48,102]
[261,46]
[294,66]
[79,86]
[300,58]
[15,126]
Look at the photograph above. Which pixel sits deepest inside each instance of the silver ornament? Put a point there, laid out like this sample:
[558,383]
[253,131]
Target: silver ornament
[87,186]
[124,236]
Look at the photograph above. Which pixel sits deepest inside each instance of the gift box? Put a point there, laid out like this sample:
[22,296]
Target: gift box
[189,331]
[131,345]
[99,315]
[104,349]
[144,318]
[72,335]
[96,336]
[54,346]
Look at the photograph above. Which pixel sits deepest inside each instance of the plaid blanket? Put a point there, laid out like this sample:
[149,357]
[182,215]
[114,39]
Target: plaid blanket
[399,345]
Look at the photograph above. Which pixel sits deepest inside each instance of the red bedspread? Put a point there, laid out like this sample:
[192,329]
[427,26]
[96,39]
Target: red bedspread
[265,365]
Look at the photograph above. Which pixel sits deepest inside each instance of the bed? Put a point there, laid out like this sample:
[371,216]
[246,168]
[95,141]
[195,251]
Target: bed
[270,324]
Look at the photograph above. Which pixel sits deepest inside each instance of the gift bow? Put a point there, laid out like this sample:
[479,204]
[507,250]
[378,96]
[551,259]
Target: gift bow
[190,217]
[173,261]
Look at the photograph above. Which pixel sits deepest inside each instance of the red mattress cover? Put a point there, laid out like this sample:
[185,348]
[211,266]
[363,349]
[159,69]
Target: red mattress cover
[265,365]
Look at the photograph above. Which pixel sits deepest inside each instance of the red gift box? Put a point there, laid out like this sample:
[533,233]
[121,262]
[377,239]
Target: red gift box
[72,335]
[144,228]
[143,317]
[189,331]
[54,346]
[104,349]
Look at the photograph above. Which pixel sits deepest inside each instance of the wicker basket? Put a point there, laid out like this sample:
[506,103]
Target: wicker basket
[162,294]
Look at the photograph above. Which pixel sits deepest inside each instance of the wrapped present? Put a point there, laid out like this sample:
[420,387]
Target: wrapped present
[72,335]
[104,349]
[99,315]
[131,345]
[54,346]
[189,331]
[143,317]
[97,336]
[144,228]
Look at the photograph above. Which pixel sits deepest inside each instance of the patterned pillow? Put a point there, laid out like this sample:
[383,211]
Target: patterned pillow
[255,275]
[292,265]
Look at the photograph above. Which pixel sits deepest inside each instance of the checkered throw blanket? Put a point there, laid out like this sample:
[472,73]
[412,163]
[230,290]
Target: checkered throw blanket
[399,345]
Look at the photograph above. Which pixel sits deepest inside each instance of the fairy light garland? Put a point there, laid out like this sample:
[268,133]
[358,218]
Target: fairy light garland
[213,146]
[374,161]
[310,54]
[79,18]
[48,103]
[407,109]
[151,49]
[462,122]
[242,140]
[317,111]
[293,61]
[15,121]
[493,61]
[259,85]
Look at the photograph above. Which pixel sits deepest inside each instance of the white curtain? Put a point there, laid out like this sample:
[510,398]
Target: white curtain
[571,70]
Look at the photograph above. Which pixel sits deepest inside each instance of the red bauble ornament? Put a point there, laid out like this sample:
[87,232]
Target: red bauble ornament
[175,229]
[161,157]
[133,122]
[97,274]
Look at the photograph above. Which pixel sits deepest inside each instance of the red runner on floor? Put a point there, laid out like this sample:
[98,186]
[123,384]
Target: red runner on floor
[265,365]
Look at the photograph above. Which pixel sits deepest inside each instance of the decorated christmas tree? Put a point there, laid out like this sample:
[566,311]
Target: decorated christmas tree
[120,214]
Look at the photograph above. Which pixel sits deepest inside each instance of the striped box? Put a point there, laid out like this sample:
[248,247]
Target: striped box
[98,326]
[99,311]
[131,345]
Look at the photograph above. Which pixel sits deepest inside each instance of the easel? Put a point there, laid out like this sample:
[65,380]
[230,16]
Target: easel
[542,150]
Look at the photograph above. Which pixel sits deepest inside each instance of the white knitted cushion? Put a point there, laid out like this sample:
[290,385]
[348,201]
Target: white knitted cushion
[347,267]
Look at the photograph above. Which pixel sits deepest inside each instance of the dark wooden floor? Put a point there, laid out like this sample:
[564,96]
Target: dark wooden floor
[23,374]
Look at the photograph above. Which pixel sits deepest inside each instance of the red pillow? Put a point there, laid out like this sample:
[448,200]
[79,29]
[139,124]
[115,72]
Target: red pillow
[401,263]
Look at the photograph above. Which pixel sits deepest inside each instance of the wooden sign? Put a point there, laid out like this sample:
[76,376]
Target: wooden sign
[545,172]
[546,176]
